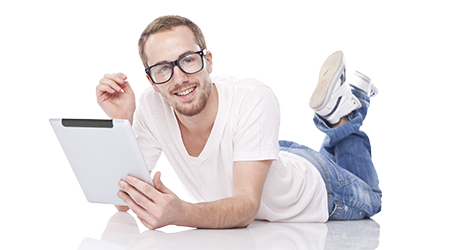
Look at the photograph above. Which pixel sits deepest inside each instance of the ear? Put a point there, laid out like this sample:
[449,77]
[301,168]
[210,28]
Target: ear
[209,62]
[154,85]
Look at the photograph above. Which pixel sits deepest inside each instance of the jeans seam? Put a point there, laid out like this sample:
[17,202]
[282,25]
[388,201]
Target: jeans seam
[341,181]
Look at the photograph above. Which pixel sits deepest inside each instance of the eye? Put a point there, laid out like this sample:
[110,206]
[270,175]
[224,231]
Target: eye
[188,60]
[161,69]
[164,68]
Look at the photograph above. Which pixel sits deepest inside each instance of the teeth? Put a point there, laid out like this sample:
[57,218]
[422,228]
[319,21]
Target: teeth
[185,92]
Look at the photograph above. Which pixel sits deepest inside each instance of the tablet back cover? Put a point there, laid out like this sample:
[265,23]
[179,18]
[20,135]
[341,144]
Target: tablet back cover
[101,153]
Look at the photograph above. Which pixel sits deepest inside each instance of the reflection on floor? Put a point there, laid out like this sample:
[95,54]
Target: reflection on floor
[122,232]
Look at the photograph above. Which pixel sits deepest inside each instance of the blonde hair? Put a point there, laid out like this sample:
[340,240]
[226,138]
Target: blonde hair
[165,23]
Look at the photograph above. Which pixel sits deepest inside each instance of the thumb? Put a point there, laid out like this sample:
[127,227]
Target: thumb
[126,87]
[158,184]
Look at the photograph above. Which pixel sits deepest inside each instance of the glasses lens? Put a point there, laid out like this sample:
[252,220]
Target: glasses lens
[189,64]
[161,72]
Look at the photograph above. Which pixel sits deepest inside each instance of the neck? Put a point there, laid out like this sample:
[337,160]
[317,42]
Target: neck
[204,121]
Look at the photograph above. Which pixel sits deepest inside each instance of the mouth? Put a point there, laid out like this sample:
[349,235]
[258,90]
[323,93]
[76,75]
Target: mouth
[185,92]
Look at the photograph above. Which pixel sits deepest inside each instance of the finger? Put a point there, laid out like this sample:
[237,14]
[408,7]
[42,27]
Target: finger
[144,216]
[122,208]
[137,195]
[118,78]
[137,209]
[126,87]
[101,89]
[159,185]
[141,192]
[143,187]
[111,83]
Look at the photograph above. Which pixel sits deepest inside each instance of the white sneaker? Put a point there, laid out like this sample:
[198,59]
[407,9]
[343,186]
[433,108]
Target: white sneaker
[333,99]
[363,83]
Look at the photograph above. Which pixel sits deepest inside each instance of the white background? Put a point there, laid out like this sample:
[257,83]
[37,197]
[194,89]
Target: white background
[36,176]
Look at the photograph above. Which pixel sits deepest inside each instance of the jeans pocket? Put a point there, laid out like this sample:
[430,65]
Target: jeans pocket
[332,206]
[343,211]
[343,176]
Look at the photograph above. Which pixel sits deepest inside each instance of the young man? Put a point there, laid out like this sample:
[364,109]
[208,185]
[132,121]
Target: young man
[221,137]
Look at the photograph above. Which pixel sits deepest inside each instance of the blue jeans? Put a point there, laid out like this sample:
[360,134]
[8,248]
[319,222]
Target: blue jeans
[345,164]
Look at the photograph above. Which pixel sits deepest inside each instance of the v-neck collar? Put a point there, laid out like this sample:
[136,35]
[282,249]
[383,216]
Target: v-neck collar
[214,137]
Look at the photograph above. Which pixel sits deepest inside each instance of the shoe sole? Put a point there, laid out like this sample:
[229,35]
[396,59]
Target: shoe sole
[327,76]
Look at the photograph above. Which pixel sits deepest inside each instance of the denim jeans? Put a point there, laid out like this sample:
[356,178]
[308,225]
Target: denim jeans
[345,164]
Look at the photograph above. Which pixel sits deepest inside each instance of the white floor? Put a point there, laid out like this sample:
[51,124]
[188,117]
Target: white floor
[122,232]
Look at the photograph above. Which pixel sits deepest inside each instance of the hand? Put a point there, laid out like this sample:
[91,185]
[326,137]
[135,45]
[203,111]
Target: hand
[121,208]
[115,97]
[154,206]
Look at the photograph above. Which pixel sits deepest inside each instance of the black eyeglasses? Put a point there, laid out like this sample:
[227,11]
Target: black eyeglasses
[190,64]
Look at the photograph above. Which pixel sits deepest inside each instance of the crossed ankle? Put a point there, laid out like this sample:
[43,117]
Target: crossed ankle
[342,121]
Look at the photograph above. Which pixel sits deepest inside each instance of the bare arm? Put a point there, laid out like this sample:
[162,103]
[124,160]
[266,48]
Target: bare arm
[166,208]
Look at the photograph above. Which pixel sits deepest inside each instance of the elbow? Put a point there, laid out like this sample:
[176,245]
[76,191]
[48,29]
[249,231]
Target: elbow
[250,211]
[248,221]
[245,223]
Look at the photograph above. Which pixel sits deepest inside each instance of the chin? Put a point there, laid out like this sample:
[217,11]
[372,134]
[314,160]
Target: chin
[191,109]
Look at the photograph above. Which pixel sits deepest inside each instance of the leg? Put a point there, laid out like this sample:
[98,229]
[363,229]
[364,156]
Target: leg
[340,108]
[348,146]
[349,197]
[343,121]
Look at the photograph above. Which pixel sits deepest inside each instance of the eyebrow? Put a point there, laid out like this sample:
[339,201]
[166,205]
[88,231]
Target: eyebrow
[180,56]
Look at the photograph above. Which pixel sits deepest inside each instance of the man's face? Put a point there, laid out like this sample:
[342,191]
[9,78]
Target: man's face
[187,94]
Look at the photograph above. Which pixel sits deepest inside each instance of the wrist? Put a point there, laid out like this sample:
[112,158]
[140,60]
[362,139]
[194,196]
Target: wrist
[130,119]
[127,117]
[185,214]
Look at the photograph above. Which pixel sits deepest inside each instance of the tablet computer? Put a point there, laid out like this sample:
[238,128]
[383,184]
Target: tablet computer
[101,153]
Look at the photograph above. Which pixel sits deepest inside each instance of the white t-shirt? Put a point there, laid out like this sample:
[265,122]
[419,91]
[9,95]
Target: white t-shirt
[245,129]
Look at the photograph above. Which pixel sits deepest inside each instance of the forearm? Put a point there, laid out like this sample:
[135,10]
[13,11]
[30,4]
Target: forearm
[235,211]
[165,208]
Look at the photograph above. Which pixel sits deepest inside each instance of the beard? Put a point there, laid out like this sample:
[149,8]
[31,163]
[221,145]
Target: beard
[194,106]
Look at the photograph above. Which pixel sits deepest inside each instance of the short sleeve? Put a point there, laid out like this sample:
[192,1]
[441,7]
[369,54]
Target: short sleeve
[257,127]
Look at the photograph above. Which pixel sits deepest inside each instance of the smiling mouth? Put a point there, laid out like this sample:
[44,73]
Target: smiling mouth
[185,92]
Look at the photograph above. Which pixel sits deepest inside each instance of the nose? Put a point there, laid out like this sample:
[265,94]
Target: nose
[179,76]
